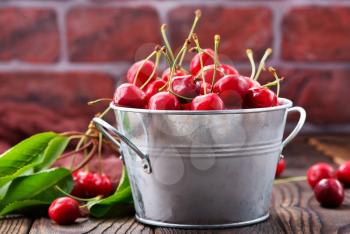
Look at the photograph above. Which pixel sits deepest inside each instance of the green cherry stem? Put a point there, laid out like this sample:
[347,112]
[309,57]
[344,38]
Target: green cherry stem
[198,15]
[166,41]
[290,179]
[216,62]
[262,63]
[200,51]
[158,54]
[143,63]
[77,198]
[273,83]
[277,79]
[250,56]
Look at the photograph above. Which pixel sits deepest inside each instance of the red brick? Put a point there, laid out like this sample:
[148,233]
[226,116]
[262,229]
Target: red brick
[324,94]
[239,28]
[29,35]
[35,102]
[110,34]
[316,34]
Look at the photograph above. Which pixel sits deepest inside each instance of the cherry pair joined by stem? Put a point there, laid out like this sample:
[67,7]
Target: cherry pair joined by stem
[88,184]
[144,70]
[64,210]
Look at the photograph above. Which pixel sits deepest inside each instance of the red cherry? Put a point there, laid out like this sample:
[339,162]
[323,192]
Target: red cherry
[64,210]
[281,165]
[329,192]
[153,88]
[102,185]
[144,74]
[260,97]
[343,173]
[185,86]
[207,86]
[318,172]
[228,70]
[129,95]
[232,90]
[178,72]
[208,73]
[83,184]
[186,106]
[209,101]
[163,101]
[207,59]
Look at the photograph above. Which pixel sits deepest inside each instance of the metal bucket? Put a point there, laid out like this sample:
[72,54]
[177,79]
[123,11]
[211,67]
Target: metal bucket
[201,169]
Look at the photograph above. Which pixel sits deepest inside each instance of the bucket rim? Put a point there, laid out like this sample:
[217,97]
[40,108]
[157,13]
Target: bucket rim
[286,103]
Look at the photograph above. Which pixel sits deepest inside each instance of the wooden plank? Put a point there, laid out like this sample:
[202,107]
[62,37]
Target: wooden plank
[15,224]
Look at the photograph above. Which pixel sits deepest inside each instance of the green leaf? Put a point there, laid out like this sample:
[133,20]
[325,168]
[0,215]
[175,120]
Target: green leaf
[18,205]
[53,150]
[36,187]
[121,198]
[23,156]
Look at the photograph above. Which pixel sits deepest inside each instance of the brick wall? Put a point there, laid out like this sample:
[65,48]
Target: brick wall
[57,55]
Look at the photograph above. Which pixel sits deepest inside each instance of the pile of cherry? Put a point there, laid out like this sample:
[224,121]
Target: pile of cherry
[208,84]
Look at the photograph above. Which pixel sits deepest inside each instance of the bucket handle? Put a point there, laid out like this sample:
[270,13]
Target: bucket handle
[105,128]
[299,125]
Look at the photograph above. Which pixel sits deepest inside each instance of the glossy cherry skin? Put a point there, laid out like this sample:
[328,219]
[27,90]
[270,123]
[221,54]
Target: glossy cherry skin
[281,165]
[186,106]
[129,95]
[207,87]
[318,172]
[185,86]
[228,70]
[178,72]
[102,185]
[64,210]
[343,173]
[144,74]
[153,88]
[164,101]
[209,101]
[232,90]
[260,97]
[83,184]
[207,59]
[329,193]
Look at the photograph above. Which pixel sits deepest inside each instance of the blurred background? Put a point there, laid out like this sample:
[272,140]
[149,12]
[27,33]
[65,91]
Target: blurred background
[56,55]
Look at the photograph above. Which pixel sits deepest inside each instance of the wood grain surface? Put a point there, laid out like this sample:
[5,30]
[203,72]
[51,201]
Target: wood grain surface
[293,209]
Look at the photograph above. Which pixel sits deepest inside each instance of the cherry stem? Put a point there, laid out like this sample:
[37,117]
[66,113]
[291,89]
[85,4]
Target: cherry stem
[200,51]
[250,56]
[180,96]
[158,54]
[100,100]
[198,14]
[99,152]
[68,154]
[74,197]
[143,63]
[273,83]
[277,79]
[290,179]
[164,52]
[167,44]
[262,63]
[87,158]
[216,62]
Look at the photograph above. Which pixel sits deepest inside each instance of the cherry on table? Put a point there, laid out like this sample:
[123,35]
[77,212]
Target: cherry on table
[163,101]
[260,97]
[210,101]
[144,74]
[329,192]
[129,95]
[178,72]
[281,165]
[185,86]
[343,174]
[102,185]
[232,89]
[207,59]
[64,210]
[153,88]
[318,172]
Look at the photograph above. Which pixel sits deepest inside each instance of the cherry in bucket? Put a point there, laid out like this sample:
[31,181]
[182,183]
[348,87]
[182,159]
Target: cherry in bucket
[129,95]
[164,101]
[209,101]
[64,210]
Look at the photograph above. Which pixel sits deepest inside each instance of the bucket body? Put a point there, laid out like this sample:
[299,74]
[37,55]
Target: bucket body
[208,169]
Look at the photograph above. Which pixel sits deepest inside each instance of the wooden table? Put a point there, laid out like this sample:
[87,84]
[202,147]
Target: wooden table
[293,209]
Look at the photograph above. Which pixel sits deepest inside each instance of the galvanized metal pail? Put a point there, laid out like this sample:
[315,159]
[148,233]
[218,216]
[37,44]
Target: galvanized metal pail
[201,169]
